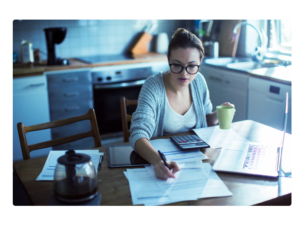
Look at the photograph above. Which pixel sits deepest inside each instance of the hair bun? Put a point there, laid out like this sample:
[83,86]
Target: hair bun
[183,38]
[179,31]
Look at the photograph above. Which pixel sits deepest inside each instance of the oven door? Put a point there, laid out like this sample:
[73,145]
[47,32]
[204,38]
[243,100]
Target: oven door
[107,103]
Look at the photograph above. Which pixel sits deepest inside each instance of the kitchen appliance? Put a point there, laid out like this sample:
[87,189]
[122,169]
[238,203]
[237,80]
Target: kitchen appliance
[55,35]
[75,178]
[109,86]
[27,52]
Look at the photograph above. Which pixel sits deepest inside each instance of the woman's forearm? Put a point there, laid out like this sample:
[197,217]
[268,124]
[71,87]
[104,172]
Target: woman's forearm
[144,148]
[212,119]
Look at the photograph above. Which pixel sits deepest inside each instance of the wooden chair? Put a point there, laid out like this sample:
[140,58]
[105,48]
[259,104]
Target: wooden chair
[94,132]
[125,117]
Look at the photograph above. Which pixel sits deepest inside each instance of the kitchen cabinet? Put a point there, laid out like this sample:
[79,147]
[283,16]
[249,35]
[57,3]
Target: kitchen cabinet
[70,95]
[266,102]
[227,86]
[30,106]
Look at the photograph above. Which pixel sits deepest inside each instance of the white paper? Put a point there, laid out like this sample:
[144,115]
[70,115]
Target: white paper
[174,153]
[194,180]
[144,189]
[217,137]
[51,162]
[205,133]
[189,184]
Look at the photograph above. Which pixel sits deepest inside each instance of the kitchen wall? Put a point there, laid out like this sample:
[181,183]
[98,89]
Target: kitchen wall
[89,37]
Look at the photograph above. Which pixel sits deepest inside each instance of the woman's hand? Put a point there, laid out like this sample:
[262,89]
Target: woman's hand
[162,172]
[229,104]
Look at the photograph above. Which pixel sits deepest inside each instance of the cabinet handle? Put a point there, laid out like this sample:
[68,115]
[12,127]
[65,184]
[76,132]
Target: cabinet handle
[72,108]
[121,85]
[36,85]
[70,79]
[215,78]
[275,99]
[70,94]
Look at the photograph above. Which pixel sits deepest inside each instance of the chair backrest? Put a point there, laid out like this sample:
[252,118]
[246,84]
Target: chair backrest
[94,132]
[125,117]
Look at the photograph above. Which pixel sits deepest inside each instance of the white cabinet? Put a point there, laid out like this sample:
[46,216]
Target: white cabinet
[30,106]
[227,86]
[266,102]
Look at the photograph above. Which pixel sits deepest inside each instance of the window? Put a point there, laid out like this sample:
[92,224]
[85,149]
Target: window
[280,36]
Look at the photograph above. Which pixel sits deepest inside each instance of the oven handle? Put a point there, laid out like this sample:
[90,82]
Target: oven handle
[120,85]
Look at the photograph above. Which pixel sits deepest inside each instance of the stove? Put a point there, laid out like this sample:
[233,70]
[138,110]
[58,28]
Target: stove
[104,58]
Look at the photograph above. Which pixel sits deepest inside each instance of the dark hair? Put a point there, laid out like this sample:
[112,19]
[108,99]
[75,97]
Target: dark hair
[182,38]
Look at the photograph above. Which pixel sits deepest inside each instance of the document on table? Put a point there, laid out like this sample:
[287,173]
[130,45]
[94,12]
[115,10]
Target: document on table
[217,137]
[174,153]
[51,162]
[189,184]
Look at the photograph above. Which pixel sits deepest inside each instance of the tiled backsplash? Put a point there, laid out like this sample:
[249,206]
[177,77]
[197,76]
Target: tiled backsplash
[89,37]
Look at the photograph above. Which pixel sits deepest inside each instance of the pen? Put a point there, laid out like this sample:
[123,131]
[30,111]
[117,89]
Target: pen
[100,161]
[162,156]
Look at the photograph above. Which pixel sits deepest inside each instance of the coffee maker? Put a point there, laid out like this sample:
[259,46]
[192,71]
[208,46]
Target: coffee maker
[55,35]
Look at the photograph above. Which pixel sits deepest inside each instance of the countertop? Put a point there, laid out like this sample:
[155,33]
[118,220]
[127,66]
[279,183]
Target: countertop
[21,70]
[280,74]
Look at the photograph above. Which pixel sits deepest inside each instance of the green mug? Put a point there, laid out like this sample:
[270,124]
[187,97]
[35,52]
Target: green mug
[225,115]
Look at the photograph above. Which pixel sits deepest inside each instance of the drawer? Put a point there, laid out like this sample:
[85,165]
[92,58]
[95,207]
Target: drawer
[68,79]
[209,70]
[30,83]
[86,143]
[71,129]
[66,94]
[65,110]
[236,80]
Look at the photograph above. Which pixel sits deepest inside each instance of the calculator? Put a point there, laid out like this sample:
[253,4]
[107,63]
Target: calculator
[188,142]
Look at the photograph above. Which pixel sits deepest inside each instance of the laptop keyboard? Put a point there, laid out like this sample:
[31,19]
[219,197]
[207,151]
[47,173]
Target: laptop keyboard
[255,156]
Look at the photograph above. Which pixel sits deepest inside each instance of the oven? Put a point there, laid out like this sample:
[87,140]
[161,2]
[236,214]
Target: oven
[109,84]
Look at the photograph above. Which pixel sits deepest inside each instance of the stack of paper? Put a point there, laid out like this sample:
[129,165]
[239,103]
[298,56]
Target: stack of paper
[51,162]
[189,184]
[194,180]
[217,138]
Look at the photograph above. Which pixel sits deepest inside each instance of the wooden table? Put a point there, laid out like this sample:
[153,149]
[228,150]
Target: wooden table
[114,187]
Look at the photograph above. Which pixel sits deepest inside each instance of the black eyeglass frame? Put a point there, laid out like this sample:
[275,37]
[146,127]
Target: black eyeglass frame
[184,67]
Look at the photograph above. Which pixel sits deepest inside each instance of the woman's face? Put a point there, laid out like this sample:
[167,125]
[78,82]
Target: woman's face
[184,57]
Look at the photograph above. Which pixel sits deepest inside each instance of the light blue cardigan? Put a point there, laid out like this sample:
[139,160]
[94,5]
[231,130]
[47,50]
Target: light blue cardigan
[148,119]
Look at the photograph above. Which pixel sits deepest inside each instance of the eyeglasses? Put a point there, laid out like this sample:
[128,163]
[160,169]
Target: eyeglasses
[190,69]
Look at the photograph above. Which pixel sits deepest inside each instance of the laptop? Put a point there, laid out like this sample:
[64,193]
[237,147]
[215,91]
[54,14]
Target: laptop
[254,159]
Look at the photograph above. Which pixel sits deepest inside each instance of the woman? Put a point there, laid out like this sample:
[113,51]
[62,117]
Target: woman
[172,102]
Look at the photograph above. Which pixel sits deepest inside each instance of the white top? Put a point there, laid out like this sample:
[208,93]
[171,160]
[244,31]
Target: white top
[148,119]
[176,123]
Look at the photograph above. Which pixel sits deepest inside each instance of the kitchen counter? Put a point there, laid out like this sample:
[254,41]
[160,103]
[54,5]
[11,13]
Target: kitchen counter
[20,70]
[280,74]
